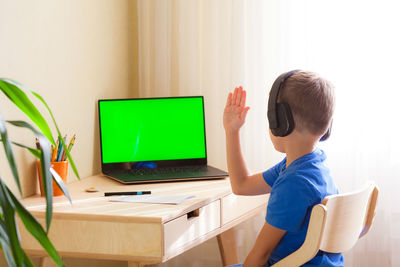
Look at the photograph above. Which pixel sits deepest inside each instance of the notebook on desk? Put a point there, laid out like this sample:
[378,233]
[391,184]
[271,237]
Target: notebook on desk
[154,139]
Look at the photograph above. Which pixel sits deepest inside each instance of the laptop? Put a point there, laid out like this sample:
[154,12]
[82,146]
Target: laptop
[146,140]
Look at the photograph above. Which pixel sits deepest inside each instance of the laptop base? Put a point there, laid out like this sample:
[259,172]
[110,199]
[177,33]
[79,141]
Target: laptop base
[163,175]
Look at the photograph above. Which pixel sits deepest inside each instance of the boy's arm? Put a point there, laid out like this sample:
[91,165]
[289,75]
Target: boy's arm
[266,242]
[234,117]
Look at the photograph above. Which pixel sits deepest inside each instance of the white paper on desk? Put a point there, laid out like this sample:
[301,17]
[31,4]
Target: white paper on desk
[157,199]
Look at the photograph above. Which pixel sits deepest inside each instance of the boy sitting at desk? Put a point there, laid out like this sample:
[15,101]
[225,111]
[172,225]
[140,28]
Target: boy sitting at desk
[300,109]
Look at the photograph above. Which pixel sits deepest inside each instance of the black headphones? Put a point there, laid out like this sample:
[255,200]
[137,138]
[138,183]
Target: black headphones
[280,116]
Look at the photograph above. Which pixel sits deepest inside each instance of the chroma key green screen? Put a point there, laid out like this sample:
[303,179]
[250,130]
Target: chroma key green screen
[151,129]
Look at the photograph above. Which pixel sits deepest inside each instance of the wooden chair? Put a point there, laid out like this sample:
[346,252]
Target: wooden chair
[336,224]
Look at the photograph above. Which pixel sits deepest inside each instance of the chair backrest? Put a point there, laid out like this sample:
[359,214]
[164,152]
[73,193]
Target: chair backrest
[349,216]
[336,224]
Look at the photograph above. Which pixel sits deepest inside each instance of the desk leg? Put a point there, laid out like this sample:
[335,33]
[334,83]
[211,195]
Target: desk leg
[227,247]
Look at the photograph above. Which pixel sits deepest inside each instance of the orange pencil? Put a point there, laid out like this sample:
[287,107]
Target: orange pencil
[54,155]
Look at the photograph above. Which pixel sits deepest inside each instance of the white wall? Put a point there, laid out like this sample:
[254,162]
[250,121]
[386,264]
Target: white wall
[72,53]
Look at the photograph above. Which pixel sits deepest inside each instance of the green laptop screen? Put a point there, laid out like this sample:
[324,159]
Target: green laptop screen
[152,129]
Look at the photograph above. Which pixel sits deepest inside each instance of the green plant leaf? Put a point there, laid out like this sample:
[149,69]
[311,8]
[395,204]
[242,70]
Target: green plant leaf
[10,224]
[3,232]
[59,135]
[9,152]
[7,252]
[45,168]
[37,231]
[36,152]
[27,261]
[60,183]
[13,90]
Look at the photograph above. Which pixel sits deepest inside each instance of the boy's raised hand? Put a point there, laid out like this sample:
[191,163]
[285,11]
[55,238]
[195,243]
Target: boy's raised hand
[235,110]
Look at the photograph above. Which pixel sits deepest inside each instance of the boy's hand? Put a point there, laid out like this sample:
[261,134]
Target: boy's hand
[235,110]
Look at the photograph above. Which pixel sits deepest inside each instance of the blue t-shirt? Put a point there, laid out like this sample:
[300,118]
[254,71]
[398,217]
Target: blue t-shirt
[295,190]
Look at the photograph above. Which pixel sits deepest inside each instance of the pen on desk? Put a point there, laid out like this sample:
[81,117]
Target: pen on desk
[107,194]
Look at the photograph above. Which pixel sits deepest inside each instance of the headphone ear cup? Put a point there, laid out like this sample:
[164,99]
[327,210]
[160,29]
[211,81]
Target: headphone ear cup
[285,120]
[327,134]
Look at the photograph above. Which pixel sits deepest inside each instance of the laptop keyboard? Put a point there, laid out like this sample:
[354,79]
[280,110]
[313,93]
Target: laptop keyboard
[168,170]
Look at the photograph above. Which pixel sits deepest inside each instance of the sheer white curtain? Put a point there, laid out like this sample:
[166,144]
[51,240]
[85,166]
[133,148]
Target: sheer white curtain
[207,47]
[353,44]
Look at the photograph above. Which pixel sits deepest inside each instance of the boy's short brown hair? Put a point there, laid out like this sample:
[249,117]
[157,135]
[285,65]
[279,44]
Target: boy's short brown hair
[311,100]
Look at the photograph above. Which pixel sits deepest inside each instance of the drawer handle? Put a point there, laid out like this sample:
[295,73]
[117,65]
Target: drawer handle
[193,214]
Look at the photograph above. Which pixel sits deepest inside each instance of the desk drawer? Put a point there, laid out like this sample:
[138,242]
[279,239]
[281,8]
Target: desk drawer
[184,230]
[233,206]
[100,239]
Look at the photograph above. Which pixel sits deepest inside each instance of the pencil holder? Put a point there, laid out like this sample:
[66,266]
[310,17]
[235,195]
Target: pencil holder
[61,167]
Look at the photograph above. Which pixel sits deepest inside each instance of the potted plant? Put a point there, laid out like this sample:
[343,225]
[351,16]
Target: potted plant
[10,206]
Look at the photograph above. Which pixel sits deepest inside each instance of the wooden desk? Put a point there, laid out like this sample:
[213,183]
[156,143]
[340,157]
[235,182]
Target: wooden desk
[94,227]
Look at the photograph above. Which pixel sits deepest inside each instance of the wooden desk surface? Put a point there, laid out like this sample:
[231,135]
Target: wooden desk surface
[94,227]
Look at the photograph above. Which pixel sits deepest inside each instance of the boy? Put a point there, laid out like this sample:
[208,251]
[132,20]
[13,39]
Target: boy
[300,109]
